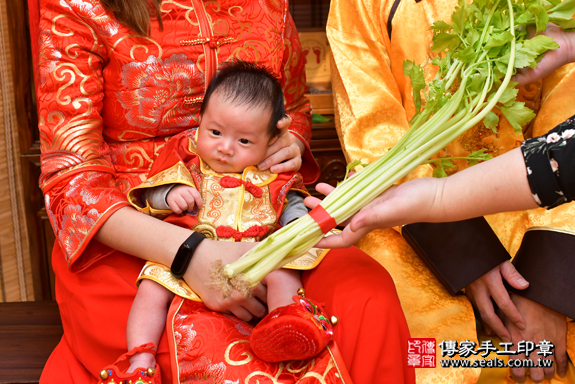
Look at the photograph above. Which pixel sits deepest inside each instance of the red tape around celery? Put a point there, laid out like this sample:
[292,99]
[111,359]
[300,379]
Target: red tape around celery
[323,219]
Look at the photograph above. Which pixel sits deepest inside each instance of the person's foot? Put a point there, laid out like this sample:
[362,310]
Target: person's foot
[293,332]
[141,360]
[143,367]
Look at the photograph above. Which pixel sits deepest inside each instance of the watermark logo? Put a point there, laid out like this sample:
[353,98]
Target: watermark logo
[421,353]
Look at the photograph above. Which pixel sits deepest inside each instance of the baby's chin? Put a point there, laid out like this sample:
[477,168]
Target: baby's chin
[218,167]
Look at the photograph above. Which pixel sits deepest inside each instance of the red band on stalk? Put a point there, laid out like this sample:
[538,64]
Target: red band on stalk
[323,219]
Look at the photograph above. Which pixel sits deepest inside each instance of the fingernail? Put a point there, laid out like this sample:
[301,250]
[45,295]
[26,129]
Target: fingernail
[506,339]
[522,281]
[358,225]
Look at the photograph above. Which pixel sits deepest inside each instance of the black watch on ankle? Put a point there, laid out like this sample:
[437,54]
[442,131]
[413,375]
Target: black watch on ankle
[185,253]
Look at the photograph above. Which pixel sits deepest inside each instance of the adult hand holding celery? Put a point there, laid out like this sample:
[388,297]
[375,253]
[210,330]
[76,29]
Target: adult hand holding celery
[477,54]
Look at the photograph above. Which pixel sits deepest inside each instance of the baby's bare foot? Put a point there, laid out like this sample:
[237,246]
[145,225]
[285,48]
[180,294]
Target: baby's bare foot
[142,360]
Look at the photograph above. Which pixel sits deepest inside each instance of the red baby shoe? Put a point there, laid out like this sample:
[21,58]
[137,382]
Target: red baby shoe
[294,332]
[113,375]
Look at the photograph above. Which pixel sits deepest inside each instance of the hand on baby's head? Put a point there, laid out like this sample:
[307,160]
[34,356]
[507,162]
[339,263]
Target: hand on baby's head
[183,198]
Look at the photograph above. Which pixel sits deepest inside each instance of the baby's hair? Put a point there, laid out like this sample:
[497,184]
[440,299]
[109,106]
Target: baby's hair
[245,83]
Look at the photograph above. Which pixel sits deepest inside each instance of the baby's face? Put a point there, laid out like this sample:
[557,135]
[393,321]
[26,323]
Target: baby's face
[232,137]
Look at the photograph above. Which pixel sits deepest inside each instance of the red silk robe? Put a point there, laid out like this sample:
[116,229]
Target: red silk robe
[108,100]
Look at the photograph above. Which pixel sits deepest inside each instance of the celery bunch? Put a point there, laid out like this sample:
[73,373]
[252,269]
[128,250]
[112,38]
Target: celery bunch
[478,52]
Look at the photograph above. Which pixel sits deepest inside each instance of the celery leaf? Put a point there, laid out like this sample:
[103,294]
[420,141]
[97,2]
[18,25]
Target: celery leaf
[477,156]
[491,121]
[415,73]
[517,115]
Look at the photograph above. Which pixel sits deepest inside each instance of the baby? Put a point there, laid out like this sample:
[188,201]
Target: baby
[238,122]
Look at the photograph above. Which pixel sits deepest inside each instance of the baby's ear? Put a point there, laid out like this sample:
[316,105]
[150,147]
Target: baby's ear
[272,140]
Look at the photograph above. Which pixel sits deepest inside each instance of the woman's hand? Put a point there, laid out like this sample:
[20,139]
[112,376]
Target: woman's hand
[151,239]
[284,155]
[198,276]
[551,59]
[404,204]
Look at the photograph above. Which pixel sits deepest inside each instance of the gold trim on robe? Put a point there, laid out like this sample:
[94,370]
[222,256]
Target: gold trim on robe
[177,174]
[163,276]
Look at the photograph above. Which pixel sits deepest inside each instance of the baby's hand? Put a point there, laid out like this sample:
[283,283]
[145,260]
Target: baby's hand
[183,198]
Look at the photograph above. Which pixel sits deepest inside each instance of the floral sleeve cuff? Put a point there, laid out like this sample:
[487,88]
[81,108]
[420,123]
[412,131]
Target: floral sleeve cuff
[550,162]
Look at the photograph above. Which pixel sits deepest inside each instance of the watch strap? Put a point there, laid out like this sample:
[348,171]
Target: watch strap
[185,253]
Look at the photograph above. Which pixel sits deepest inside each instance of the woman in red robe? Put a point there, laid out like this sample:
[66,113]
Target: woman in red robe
[108,100]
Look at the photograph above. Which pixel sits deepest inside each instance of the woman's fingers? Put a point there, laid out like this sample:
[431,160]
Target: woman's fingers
[311,202]
[255,307]
[345,239]
[292,165]
[242,313]
[260,292]
[245,308]
[284,123]
[324,189]
[284,151]
[552,59]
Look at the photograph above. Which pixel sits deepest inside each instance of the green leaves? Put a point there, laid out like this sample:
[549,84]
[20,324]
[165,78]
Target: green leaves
[466,55]
[351,166]
[562,14]
[443,163]
[529,51]
[415,73]
[458,17]
[541,17]
[477,156]
[564,10]
[491,121]
[317,118]
[499,39]
[445,41]
[439,171]
[510,94]
[517,115]
[474,53]
[440,26]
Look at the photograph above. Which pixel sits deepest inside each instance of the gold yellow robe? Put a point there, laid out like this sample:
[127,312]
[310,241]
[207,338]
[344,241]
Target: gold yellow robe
[374,103]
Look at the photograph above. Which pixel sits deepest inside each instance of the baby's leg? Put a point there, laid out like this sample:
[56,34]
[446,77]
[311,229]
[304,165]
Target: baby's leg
[147,321]
[282,286]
